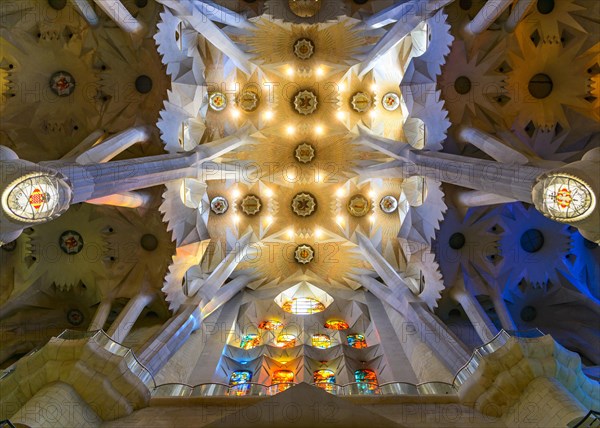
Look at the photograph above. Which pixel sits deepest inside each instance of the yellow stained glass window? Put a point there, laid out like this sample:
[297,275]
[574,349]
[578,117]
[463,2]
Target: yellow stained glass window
[285,341]
[270,325]
[321,341]
[336,325]
[303,306]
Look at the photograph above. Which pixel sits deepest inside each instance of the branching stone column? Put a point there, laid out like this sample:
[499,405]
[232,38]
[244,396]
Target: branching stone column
[121,327]
[421,322]
[482,324]
[172,335]
[119,13]
[408,16]
[490,11]
[478,198]
[502,311]
[208,29]
[491,145]
[209,286]
[84,8]
[449,349]
[218,13]
[125,200]
[389,15]
[114,145]
[101,315]
[517,14]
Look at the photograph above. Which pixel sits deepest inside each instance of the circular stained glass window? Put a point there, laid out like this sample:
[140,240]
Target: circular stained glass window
[566,198]
[388,204]
[219,205]
[62,83]
[217,101]
[75,317]
[33,198]
[70,242]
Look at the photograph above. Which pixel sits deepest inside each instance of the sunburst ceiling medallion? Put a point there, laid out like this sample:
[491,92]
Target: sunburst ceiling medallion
[305,102]
[304,153]
[304,49]
[359,206]
[251,205]
[304,204]
[304,254]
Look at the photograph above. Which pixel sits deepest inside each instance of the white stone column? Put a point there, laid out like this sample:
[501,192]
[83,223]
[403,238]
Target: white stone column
[492,146]
[478,198]
[490,11]
[215,330]
[387,273]
[420,321]
[208,29]
[407,17]
[388,15]
[390,342]
[101,315]
[172,335]
[119,13]
[126,200]
[121,327]
[84,8]
[518,12]
[482,324]
[218,13]
[502,311]
[209,286]
[114,145]
[224,294]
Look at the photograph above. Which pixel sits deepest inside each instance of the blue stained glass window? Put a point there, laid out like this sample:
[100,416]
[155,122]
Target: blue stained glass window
[238,382]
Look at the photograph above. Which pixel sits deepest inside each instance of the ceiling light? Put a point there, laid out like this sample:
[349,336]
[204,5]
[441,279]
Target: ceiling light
[235,113]
[269,219]
[371,193]
[320,71]
[236,193]
[290,233]
[340,192]
[236,219]
[290,71]
[373,114]
[374,87]
[342,87]
[318,233]
[290,130]
[340,115]
[268,192]
[318,129]
[268,115]
[339,219]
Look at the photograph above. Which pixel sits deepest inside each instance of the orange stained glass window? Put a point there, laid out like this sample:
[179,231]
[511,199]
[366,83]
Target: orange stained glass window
[325,379]
[270,325]
[285,341]
[357,340]
[249,341]
[282,379]
[336,325]
[321,341]
[303,306]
